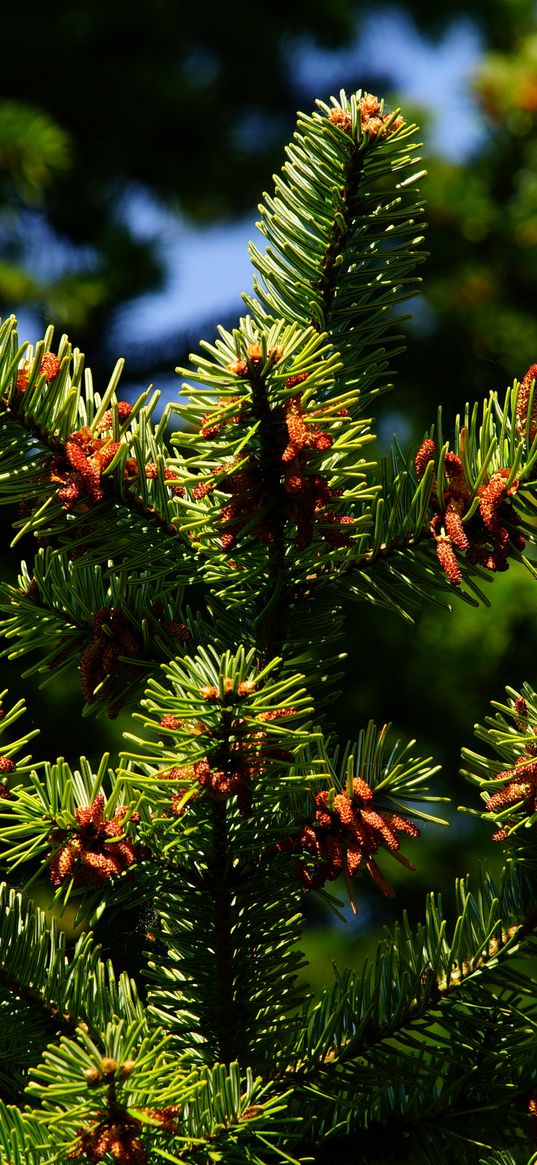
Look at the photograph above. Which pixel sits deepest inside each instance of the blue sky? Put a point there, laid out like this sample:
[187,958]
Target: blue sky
[208,267]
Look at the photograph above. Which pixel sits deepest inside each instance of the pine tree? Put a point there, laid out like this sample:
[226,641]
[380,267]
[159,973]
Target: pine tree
[232,799]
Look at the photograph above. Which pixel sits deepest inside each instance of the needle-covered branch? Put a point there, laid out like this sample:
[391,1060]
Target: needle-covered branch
[232,799]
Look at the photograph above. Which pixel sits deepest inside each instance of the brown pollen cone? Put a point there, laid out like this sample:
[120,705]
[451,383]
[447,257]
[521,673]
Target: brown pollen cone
[95,848]
[348,831]
[523,403]
[520,790]
[117,1137]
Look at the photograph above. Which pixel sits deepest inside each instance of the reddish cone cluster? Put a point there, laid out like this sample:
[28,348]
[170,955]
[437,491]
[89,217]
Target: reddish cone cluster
[520,709]
[346,832]
[301,435]
[100,658]
[50,366]
[245,760]
[241,368]
[7,765]
[119,1136]
[305,495]
[521,789]
[94,850]
[242,757]
[79,471]
[485,539]
[170,721]
[246,506]
[224,783]
[523,401]
[373,121]
[308,494]
[261,499]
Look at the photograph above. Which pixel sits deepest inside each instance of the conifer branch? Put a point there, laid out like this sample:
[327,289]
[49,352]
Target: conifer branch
[230,804]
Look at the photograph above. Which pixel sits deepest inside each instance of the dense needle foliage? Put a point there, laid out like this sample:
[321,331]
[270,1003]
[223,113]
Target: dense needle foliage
[198,579]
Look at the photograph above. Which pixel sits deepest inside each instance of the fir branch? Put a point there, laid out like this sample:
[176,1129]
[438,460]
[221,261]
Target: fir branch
[69,454]
[414,974]
[341,248]
[116,627]
[35,968]
[446,520]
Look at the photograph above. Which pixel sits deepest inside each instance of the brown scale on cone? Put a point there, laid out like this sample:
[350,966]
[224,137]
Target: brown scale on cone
[7,765]
[170,721]
[523,403]
[447,558]
[172,627]
[521,710]
[238,367]
[95,849]
[276,714]
[177,630]
[454,525]
[373,121]
[520,707]
[491,497]
[168,1117]
[202,490]
[346,833]
[50,366]
[424,455]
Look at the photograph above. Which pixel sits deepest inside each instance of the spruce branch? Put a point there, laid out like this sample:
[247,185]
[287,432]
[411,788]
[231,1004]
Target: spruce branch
[341,248]
[457,512]
[67,452]
[229,802]
[508,785]
[62,989]
[116,627]
[378,1041]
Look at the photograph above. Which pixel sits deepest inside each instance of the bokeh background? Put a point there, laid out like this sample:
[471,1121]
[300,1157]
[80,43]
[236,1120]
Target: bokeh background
[135,141]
